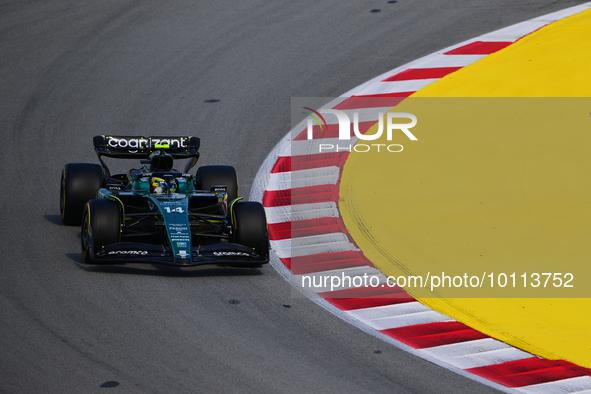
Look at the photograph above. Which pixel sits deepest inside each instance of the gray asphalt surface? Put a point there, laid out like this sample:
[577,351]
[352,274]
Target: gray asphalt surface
[70,70]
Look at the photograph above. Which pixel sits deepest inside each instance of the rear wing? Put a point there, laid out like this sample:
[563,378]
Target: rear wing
[134,147]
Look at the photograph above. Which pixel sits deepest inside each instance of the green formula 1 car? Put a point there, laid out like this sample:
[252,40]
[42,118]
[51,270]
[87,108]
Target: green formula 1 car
[156,214]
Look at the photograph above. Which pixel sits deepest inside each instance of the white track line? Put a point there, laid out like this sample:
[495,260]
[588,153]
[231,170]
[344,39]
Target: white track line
[578,385]
[291,213]
[303,178]
[317,244]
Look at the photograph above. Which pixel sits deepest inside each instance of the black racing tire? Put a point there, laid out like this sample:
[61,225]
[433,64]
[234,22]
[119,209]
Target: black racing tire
[79,184]
[101,225]
[208,176]
[250,226]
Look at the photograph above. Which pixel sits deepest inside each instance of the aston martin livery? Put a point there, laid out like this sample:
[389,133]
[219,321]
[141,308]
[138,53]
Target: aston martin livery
[157,214]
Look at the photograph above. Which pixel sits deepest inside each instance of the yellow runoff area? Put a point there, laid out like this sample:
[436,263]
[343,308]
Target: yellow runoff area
[498,184]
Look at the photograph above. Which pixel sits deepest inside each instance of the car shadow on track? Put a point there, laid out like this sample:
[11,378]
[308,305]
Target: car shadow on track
[164,270]
[54,219]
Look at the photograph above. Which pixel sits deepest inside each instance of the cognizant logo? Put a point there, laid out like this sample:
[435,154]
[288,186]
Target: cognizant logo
[345,130]
[143,143]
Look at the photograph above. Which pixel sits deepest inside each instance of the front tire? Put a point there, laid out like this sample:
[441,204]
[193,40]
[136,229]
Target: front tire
[250,226]
[79,184]
[101,226]
[208,176]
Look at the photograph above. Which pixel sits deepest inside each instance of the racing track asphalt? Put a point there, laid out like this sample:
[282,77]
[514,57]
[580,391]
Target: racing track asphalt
[70,70]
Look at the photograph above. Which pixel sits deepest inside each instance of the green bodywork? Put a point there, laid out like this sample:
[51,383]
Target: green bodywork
[172,209]
[183,226]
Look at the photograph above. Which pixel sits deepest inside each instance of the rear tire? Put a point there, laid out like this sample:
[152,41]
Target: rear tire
[208,176]
[79,184]
[101,226]
[250,226]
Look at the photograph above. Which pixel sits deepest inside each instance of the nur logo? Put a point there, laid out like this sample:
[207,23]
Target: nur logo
[345,129]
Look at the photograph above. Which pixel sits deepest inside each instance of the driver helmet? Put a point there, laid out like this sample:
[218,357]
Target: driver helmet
[158,185]
[161,162]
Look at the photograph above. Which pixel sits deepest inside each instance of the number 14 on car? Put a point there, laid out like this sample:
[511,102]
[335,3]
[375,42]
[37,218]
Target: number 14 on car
[178,210]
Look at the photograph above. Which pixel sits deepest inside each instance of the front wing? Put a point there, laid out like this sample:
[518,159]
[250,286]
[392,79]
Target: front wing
[132,252]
